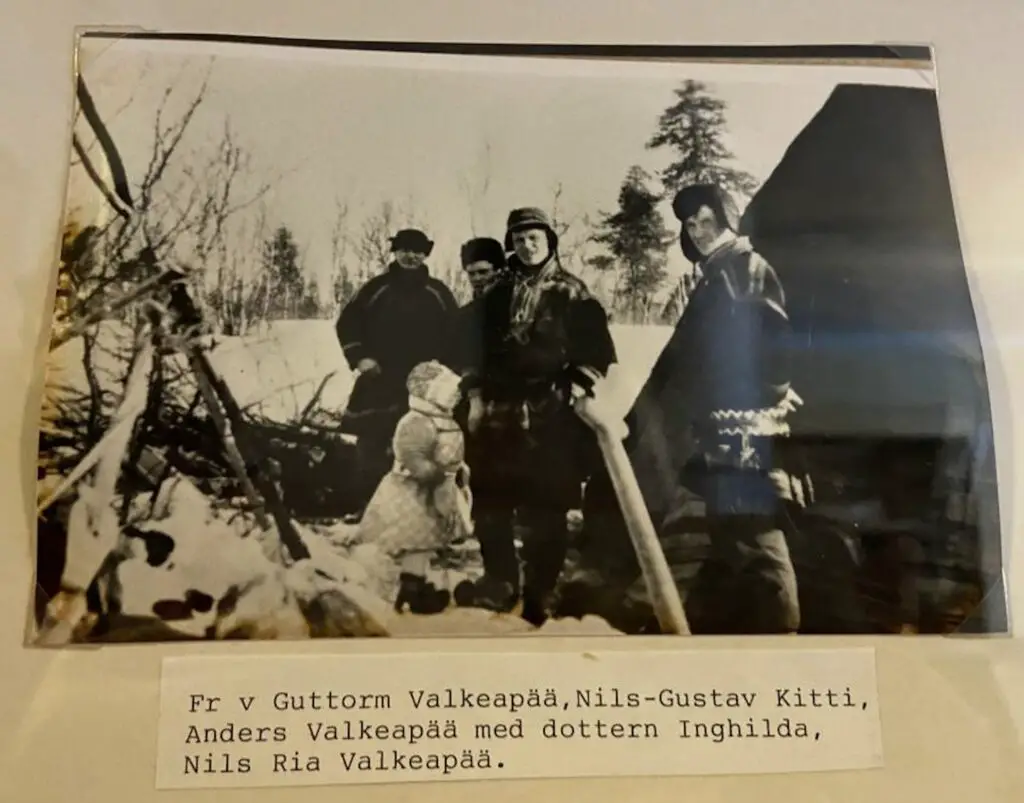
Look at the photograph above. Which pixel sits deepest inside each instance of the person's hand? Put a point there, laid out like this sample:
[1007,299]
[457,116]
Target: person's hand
[475,414]
[368,365]
[603,405]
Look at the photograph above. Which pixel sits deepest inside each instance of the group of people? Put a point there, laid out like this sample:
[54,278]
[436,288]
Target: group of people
[465,423]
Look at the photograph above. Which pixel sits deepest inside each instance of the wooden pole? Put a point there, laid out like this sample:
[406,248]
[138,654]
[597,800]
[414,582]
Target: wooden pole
[598,401]
[661,586]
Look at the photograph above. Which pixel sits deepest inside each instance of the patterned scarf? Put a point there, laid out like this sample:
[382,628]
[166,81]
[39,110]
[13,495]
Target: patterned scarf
[529,287]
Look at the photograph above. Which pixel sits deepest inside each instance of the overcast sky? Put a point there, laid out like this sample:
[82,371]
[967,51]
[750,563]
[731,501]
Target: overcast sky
[365,128]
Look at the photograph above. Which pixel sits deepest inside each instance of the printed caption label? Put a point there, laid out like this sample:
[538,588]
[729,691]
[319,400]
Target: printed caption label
[262,721]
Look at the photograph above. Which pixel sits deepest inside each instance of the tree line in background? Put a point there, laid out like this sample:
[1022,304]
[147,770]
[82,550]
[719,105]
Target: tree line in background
[254,272]
[201,211]
[623,254]
[634,236]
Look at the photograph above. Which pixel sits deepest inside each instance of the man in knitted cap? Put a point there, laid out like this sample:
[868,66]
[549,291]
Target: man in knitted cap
[398,319]
[538,324]
[707,420]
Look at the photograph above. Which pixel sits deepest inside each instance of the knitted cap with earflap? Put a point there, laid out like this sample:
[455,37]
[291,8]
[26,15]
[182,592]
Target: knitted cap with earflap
[529,217]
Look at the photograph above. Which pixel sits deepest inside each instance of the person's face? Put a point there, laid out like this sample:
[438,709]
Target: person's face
[409,259]
[481,275]
[703,229]
[531,246]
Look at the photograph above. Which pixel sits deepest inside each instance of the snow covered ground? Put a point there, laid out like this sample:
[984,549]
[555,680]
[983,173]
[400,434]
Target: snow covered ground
[869,389]
[276,373]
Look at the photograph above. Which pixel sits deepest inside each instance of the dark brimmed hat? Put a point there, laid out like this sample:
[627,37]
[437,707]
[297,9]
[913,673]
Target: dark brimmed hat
[483,249]
[412,240]
[688,201]
[529,217]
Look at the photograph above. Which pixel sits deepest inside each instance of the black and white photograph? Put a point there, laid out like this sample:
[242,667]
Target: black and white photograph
[350,341]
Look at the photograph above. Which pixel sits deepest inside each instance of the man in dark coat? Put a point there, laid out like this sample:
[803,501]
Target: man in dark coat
[708,421]
[396,320]
[485,263]
[532,329]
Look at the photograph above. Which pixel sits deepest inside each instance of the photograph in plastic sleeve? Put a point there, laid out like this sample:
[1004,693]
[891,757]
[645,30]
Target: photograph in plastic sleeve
[351,344]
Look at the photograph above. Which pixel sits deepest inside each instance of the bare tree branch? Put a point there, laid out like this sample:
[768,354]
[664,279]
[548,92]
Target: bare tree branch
[373,246]
[146,66]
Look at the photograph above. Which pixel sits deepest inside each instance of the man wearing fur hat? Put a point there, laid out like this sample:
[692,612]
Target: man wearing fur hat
[485,265]
[398,319]
[536,325]
[483,260]
[709,419]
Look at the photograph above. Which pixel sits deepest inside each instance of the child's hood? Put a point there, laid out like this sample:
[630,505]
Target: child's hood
[436,385]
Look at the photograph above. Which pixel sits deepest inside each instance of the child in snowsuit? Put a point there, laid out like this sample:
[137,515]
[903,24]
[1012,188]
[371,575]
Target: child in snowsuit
[424,502]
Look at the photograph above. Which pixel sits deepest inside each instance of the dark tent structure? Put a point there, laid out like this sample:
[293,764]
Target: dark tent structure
[858,220]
